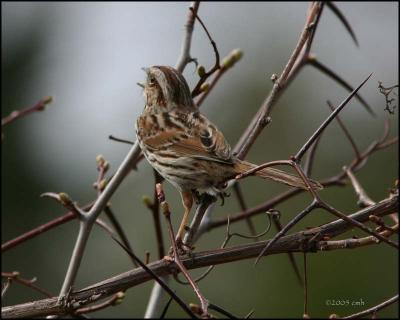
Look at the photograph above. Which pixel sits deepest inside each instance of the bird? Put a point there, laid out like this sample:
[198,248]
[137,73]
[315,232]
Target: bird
[185,147]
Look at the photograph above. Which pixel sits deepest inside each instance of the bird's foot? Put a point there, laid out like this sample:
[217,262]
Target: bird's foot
[222,196]
[181,247]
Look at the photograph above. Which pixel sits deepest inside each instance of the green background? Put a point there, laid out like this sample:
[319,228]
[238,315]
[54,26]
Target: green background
[89,57]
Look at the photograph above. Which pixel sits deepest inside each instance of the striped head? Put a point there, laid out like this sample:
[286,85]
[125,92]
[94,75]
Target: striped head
[165,88]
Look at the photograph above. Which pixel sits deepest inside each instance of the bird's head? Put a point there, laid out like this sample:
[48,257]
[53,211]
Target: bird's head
[165,88]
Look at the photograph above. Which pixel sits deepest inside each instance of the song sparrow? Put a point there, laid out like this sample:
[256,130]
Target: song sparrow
[184,146]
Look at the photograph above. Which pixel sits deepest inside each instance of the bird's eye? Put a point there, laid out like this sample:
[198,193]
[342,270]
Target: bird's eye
[152,81]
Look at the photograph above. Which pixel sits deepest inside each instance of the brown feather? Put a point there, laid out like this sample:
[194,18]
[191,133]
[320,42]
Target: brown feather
[276,175]
[202,139]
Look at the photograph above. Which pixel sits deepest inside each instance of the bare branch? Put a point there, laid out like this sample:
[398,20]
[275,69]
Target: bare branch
[261,119]
[298,242]
[300,153]
[363,199]
[39,106]
[111,137]
[167,214]
[185,56]
[15,276]
[154,276]
[98,206]
[374,309]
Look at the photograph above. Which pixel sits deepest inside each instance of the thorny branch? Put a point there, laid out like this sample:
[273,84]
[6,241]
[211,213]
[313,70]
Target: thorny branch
[306,241]
[297,242]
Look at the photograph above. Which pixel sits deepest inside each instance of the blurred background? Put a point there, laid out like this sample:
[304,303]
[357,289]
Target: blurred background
[89,57]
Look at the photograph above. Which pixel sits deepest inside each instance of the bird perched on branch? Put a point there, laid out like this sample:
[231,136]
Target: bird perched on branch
[185,147]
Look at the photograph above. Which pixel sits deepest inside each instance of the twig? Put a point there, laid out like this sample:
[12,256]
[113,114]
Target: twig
[155,210]
[184,57]
[98,206]
[346,132]
[15,276]
[227,62]
[190,236]
[228,236]
[203,77]
[5,287]
[286,228]
[156,298]
[386,92]
[261,118]
[159,281]
[313,61]
[336,180]
[111,137]
[164,312]
[113,301]
[322,127]
[213,82]
[305,292]
[297,242]
[167,214]
[353,242]
[118,229]
[363,199]
[103,167]
[39,106]
[310,158]
[316,203]
[40,229]
[222,311]
[278,225]
[374,309]
[154,303]
[310,40]
[247,316]
[243,207]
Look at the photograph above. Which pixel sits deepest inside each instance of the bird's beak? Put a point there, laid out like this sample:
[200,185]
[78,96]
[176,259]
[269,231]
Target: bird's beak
[140,84]
[145,69]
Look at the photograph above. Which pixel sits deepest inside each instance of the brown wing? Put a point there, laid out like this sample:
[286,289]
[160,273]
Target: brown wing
[188,134]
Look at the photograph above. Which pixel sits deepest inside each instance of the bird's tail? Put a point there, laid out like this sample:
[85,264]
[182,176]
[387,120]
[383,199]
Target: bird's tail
[276,175]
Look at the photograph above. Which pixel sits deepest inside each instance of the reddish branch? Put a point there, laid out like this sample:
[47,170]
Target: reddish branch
[39,106]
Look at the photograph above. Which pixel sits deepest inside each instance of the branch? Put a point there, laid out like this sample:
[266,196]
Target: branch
[261,118]
[297,242]
[184,57]
[374,309]
[363,199]
[322,127]
[15,276]
[39,106]
[313,61]
[87,223]
[346,132]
